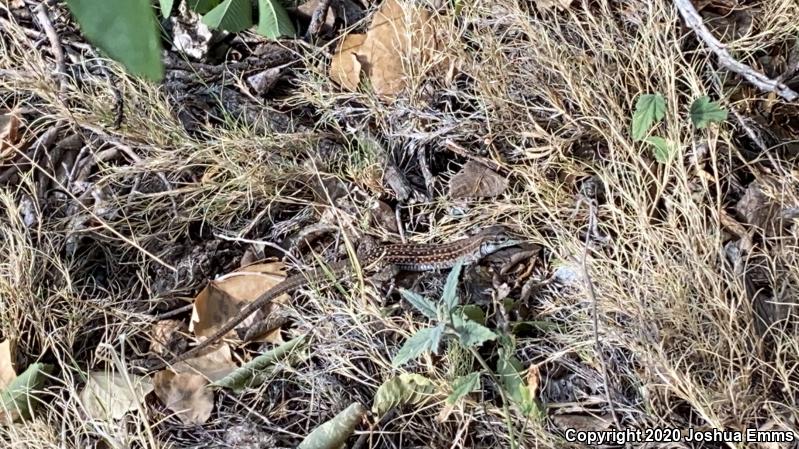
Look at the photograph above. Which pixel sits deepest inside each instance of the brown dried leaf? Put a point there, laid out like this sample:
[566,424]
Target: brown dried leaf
[345,69]
[7,373]
[589,423]
[109,395]
[222,299]
[475,180]
[185,394]
[9,133]
[397,39]
[533,379]
[162,335]
[764,203]
[213,365]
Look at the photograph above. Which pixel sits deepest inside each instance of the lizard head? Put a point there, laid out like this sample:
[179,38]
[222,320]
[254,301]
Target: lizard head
[495,238]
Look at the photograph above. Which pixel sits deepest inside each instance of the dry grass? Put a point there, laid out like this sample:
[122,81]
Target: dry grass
[549,97]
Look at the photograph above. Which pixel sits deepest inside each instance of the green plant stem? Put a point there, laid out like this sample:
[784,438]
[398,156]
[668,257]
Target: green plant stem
[505,407]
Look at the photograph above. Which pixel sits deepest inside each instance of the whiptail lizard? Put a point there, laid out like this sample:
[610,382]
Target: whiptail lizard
[407,257]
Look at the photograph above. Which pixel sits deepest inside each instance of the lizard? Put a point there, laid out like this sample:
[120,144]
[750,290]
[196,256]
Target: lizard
[406,257]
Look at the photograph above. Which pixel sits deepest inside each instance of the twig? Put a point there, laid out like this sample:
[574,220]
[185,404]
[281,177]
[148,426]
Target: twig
[55,44]
[595,308]
[460,151]
[694,21]
[429,179]
[317,19]
[173,313]
[261,242]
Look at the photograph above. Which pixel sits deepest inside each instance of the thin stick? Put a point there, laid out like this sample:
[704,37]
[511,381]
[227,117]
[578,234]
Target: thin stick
[694,21]
[55,44]
[595,308]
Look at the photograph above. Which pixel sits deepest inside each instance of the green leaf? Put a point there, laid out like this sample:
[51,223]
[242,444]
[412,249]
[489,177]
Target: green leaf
[166,7]
[649,109]
[423,341]
[473,312]
[703,112]
[435,337]
[16,399]
[273,20]
[202,6]
[509,371]
[126,30]
[403,389]
[424,305]
[449,297]
[230,15]
[464,385]
[249,374]
[471,333]
[334,433]
[662,148]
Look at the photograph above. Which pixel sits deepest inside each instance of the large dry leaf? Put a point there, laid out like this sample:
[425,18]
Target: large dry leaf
[109,395]
[184,388]
[345,68]
[475,180]
[397,40]
[185,394]
[7,373]
[212,365]
[223,298]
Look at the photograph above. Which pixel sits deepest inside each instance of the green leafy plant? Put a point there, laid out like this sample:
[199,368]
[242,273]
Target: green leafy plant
[134,40]
[650,109]
[452,322]
[462,386]
[230,15]
[703,112]
[18,397]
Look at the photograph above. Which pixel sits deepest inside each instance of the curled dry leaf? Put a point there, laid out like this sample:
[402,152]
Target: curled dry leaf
[222,299]
[475,180]
[398,39]
[7,373]
[533,380]
[333,434]
[9,134]
[109,395]
[185,394]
